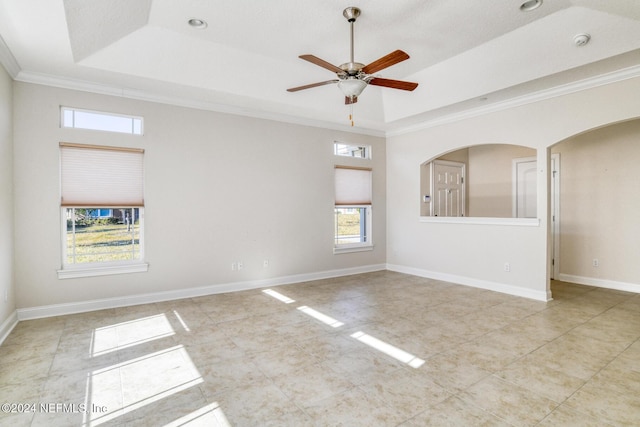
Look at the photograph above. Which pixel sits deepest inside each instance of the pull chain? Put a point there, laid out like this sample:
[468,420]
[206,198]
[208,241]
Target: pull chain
[351,114]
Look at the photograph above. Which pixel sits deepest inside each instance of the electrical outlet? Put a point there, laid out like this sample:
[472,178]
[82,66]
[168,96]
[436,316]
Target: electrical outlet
[596,263]
[234,266]
[507,267]
[240,265]
[265,263]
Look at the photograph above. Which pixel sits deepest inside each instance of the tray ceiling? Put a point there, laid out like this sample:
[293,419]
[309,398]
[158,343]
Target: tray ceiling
[466,56]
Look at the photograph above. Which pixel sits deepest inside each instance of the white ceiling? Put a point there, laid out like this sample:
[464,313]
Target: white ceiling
[243,62]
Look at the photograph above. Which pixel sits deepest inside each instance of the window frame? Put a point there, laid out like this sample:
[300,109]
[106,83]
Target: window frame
[99,198]
[73,110]
[351,191]
[357,246]
[365,148]
[88,269]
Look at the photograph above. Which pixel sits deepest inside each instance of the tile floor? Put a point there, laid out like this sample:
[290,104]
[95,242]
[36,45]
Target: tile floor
[377,349]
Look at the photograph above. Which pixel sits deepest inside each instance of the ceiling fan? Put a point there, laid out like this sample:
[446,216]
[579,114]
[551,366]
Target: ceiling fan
[353,76]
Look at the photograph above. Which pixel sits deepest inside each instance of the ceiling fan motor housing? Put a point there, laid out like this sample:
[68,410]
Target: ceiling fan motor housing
[352,68]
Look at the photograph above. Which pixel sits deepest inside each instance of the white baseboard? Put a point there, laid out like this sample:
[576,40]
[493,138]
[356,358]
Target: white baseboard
[7,326]
[601,283]
[101,304]
[475,283]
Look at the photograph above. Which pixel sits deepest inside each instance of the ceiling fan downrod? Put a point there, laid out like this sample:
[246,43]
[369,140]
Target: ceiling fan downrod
[351,68]
[351,13]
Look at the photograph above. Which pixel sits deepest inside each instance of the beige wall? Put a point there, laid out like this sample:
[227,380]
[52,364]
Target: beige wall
[6,199]
[474,253]
[222,188]
[490,178]
[600,203]
[219,188]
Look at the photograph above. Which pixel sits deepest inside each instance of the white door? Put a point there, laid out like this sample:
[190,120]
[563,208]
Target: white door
[524,200]
[525,181]
[447,182]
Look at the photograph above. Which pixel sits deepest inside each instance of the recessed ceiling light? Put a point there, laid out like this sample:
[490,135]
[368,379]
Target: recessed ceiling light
[530,5]
[200,24]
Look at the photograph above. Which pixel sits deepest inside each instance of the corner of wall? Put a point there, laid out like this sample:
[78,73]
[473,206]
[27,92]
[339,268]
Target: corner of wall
[8,314]
[7,326]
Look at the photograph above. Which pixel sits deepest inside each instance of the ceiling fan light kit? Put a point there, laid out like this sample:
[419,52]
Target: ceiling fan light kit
[353,77]
[352,87]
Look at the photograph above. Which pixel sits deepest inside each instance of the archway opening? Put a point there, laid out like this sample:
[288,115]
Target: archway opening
[489,180]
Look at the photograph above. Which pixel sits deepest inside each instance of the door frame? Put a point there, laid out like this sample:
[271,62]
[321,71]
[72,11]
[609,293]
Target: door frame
[554,206]
[554,217]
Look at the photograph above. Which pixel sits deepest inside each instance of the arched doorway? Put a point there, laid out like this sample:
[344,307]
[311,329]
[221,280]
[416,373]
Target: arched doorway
[598,230]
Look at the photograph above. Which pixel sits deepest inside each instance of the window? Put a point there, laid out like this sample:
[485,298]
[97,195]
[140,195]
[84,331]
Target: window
[102,206]
[93,237]
[97,120]
[360,151]
[351,225]
[352,211]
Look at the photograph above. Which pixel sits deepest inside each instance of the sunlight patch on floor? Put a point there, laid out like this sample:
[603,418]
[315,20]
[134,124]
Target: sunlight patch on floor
[388,349]
[320,316]
[277,295]
[128,334]
[141,381]
[182,322]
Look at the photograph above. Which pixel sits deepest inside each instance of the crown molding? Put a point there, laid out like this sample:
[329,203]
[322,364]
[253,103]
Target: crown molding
[537,96]
[74,84]
[140,95]
[7,60]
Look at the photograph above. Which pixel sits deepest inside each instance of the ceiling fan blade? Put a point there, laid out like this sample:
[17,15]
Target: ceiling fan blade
[350,100]
[386,61]
[322,63]
[394,84]
[295,89]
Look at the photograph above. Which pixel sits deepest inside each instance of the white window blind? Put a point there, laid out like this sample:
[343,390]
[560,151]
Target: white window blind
[101,176]
[353,185]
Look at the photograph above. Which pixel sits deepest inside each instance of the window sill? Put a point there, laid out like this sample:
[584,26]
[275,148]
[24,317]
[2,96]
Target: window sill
[102,270]
[522,222]
[349,249]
